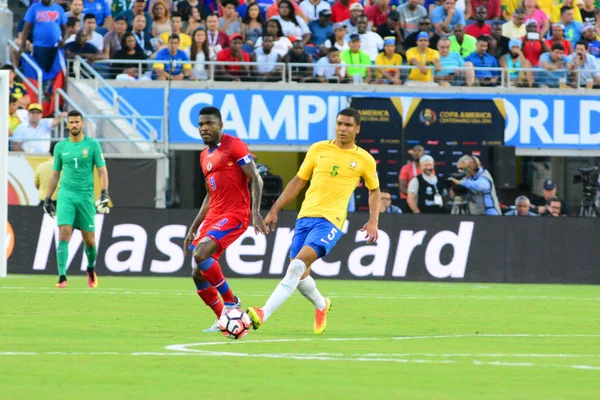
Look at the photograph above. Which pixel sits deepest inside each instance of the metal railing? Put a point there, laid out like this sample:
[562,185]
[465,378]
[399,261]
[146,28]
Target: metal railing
[561,78]
[356,74]
[10,46]
[119,105]
[93,120]
[211,69]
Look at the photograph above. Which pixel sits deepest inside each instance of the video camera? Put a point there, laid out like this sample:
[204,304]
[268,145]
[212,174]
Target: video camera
[589,181]
[458,189]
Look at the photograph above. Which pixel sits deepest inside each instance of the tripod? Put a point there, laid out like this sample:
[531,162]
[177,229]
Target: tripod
[588,208]
[460,206]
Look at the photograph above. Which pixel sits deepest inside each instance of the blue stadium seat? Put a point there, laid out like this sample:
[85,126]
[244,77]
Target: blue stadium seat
[248,48]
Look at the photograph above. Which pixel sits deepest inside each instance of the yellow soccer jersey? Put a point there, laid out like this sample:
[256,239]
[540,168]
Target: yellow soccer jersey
[335,174]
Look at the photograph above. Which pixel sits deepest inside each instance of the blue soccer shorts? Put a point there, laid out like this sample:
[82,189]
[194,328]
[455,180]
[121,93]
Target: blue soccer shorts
[318,233]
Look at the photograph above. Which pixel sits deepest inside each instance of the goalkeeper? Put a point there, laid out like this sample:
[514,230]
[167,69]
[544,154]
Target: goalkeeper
[76,157]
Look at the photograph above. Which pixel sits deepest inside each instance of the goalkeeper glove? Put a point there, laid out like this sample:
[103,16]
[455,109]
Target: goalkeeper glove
[49,207]
[102,202]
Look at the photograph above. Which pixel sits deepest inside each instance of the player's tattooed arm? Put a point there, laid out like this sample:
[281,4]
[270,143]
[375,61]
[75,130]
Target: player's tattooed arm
[197,221]
[257,186]
[290,192]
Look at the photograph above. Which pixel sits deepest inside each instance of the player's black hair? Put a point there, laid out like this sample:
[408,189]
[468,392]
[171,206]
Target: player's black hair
[174,36]
[351,112]
[557,46]
[212,111]
[74,113]
[52,146]
[8,67]
[176,15]
[12,99]
[89,16]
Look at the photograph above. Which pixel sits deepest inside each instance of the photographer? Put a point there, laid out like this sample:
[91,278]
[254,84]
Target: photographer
[550,189]
[553,207]
[424,194]
[481,191]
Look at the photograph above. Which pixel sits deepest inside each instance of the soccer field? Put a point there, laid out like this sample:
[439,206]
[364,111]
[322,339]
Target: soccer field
[141,338]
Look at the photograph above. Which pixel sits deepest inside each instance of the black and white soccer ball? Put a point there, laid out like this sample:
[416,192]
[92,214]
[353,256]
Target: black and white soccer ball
[235,324]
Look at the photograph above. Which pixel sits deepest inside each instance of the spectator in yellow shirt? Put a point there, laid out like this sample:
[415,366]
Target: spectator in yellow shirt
[388,57]
[556,11]
[185,41]
[422,57]
[13,119]
[42,177]
[508,8]
[547,6]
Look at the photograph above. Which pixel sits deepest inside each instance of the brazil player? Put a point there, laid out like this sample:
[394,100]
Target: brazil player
[334,168]
[76,157]
[225,213]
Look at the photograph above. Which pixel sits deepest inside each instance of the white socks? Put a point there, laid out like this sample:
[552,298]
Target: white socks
[308,288]
[286,287]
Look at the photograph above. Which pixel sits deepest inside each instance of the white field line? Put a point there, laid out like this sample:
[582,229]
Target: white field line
[177,292]
[179,350]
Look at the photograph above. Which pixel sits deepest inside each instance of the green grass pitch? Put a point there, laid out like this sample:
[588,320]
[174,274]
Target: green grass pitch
[141,338]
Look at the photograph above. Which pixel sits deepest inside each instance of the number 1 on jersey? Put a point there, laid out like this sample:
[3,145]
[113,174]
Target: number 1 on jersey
[212,183]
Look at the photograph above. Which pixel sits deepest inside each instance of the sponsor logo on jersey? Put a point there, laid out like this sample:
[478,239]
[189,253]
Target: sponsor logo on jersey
[230,163]
[85,153]
[353,164]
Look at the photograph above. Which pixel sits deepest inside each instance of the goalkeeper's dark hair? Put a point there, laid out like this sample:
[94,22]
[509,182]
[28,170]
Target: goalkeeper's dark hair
[212,111]
[74,113]
[351,112]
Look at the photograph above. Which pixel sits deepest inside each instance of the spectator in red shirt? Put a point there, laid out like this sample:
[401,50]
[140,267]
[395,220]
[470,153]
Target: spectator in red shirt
[493,7]
[233,55]
[479,27]
[340,11]
[377,14]
[534,44]
[409,171]
[558,36]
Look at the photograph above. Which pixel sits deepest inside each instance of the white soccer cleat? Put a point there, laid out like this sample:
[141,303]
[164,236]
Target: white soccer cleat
[213,328]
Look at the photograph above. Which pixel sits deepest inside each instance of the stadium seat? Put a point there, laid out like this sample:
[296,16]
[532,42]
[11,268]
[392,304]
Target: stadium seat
[248,48]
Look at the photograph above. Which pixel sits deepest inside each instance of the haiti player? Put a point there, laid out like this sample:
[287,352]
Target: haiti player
[225,213]
[76,157]
[336,167]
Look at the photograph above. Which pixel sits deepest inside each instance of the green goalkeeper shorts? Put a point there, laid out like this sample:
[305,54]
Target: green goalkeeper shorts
[76,209]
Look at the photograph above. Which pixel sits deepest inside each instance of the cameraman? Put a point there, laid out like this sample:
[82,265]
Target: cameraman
[481,191]
[424,194]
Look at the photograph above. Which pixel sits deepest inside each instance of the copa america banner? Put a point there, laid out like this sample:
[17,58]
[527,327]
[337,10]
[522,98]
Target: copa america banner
[449,129]
[565,120]
[137,242]
[381,135]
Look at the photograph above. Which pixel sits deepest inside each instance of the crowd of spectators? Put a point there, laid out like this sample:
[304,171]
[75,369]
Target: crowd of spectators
[531,43]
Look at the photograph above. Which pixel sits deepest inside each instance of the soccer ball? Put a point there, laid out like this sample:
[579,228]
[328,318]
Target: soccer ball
[235,324]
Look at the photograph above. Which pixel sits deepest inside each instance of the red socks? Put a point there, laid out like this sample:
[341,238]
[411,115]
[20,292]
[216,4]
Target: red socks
[214,276]
[210,296]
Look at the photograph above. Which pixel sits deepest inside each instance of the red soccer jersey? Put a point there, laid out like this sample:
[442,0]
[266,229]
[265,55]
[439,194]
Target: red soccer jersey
[227,183]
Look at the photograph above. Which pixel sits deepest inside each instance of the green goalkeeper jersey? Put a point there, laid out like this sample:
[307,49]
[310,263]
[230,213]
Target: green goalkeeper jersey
[76,160]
